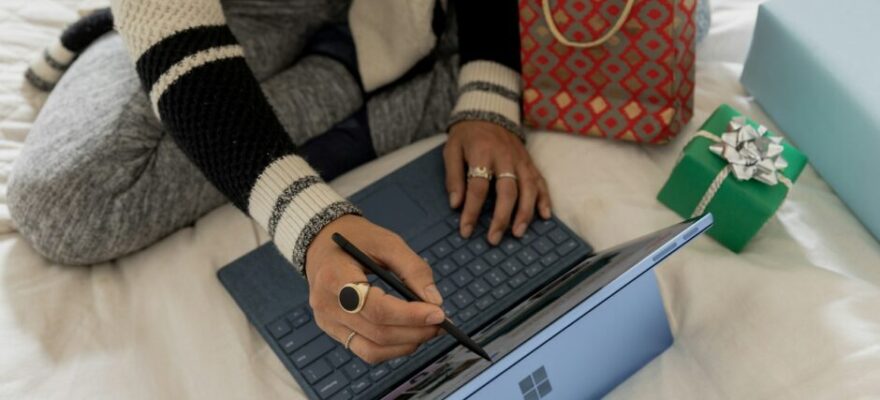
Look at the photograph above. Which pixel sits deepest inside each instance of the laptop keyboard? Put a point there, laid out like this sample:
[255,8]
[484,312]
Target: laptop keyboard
[478,282]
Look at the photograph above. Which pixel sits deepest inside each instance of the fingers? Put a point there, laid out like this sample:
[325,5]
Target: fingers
[477,190]
[383,309]
[544,203]
[453,157]
[506,194]
[369,351]
[528,196]
[412,269]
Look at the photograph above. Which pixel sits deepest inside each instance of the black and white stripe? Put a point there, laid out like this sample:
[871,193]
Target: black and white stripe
[47,69]
[207,97]
[489,91]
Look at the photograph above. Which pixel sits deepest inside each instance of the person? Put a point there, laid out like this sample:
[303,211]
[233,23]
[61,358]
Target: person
[195,103]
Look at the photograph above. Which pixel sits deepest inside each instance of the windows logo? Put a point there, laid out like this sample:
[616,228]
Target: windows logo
[535,386]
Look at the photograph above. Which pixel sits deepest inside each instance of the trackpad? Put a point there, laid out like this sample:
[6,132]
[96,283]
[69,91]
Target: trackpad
[393,209]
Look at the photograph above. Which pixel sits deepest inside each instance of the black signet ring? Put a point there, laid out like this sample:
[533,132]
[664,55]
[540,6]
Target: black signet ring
[353,296]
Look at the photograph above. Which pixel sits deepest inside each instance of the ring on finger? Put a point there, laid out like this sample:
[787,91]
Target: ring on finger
[480,172]
[353,296]
[508,175]
[348,340]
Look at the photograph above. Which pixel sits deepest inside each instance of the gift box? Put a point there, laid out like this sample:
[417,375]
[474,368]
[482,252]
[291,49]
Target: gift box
[813,67]
[737,170]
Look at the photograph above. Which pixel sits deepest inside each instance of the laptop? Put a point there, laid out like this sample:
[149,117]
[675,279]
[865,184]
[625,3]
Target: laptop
[520,300]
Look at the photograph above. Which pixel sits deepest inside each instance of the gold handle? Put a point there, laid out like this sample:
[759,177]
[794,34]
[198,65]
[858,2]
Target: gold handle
[585,45]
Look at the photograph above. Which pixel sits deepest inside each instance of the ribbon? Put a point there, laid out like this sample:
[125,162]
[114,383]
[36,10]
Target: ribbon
[750,154]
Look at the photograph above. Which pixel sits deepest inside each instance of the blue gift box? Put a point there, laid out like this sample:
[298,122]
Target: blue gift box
[814,67]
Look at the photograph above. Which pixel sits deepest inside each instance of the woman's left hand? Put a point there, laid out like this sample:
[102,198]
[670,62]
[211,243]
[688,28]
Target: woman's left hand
[484,144]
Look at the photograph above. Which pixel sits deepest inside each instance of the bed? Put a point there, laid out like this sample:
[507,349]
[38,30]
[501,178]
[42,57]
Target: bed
[797,315]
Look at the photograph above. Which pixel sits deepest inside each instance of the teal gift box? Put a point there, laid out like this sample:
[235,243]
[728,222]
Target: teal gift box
[814,67]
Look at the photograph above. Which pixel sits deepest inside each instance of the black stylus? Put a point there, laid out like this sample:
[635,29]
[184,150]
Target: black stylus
[404,291]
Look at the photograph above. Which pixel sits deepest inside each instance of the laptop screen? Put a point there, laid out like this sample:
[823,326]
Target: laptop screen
[526,328]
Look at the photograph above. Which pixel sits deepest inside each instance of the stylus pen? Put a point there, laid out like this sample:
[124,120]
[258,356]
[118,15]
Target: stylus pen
[397,285]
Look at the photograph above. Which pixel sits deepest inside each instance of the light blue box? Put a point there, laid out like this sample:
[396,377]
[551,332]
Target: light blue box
[814,66]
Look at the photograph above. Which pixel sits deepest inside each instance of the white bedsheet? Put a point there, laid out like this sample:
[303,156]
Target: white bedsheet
[795,316]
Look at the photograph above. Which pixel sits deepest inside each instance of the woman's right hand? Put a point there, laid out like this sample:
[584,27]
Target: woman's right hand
[387,327]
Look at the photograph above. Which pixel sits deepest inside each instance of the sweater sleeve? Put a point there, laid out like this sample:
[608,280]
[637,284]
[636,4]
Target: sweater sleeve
[489,82]
[208,99]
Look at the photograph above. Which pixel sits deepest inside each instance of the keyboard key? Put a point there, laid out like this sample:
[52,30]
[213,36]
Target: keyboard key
[549,259]
[279,328]
[331,384]
[527,256]
[542,245]
[316,370]
[397,362]
[462,299]
[449,308]
[338,357]
[456,240]
[462,256]
[312,351]
[533,270]
[299,337]
[485,302]
[297,313]
[379,372]
[479,287]
[428,257]
[511,266]
[343,395]
[517,281]
[430,236]
[467,313]
[478,245]
[441,249]
[355,368]
[446,287]
[495,277]
[558,236]
[542,226]
[300,320]
[462,278]
[528,237]
[493,257]
[454,221]
[360,385]
[510,246]
[478,267]
[445,267]
[501,291]
[566,247]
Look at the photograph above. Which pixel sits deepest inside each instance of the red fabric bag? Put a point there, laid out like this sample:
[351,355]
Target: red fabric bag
[619,69]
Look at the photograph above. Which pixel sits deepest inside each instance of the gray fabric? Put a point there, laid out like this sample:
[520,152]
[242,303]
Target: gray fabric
[99,178]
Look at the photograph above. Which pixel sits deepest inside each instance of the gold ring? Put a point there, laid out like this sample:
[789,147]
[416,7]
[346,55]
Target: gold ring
[353,296]
[348,340]
[509,175]
[479,172]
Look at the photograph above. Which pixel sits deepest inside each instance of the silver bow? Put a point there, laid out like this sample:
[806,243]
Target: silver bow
[750,154]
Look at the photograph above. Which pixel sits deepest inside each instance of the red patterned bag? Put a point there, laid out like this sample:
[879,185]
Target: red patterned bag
[620,69]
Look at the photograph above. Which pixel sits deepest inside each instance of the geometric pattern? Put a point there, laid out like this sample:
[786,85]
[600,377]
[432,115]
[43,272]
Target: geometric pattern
[535,386]
[637,86]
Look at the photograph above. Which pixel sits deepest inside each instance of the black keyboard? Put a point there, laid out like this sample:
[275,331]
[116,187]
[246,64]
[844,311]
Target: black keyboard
[478,283]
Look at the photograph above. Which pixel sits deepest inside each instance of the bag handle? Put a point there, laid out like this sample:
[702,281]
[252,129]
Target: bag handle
[585,45]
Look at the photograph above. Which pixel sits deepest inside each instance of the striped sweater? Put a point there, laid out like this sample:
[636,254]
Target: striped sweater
[208,99]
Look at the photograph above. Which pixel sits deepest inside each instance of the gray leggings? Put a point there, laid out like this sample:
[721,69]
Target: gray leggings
[100,178]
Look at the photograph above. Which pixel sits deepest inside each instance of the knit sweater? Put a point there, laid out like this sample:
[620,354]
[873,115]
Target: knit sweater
[207,98]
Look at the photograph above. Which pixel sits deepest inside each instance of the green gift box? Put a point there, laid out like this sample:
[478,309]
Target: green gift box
[738,171]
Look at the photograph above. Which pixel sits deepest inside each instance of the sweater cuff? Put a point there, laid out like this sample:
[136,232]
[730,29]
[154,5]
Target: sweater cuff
[293,204]
[488,91]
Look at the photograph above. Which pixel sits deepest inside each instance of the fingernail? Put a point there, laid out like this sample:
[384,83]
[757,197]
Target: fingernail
[453,199]
[546,212]
[467,230]
[433,295]
[435,318]
[520,229]
[495,237]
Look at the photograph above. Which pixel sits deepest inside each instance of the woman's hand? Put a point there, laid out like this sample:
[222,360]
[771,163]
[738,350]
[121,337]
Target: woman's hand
[484,144]
[387,327]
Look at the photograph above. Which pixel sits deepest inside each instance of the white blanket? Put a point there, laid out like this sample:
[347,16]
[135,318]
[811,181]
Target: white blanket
[797,315]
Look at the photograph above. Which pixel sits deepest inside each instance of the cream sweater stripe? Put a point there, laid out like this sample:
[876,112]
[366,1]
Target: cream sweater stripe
[188,64]
[147,22]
